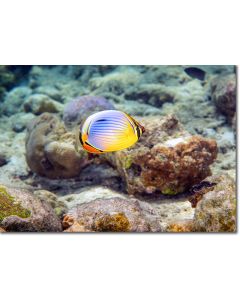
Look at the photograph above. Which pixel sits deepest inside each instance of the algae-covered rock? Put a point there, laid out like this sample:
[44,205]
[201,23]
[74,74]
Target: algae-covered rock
[20,210]
[50,91]
[166,158]
[40,103]
[19,121]
[101,209]
[216,209]
[224,89]
[14,100]
[154,94]
[59,207]
[115,82]
[6,79]
[80,108]
[50,149]
[9,206]
[3,159]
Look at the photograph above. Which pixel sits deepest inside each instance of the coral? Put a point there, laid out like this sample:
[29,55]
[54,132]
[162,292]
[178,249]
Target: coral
[223,90]
[216,210]
[21,211]
[50,149]
[101,209]
[10,207]
[40,103]
[81,107]
[166,158]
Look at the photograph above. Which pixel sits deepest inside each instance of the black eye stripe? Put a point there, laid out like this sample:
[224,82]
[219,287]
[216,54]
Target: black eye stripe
[138,132]
[80,138]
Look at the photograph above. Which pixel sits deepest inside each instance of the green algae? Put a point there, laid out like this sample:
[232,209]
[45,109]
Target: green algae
[169,191]
[10,207]
[126,162]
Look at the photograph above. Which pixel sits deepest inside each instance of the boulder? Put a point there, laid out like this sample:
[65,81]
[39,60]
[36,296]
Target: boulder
[166,158]
[103,210]
[78,109]
[50,149]
[21,211]
[40,103]
[216,206]
[224,89]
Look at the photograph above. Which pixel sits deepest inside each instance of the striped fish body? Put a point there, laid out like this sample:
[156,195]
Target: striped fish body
[109,130]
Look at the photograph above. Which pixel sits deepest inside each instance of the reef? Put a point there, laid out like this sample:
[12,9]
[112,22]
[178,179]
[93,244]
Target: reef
[161,184]
[20,211]
[166,158]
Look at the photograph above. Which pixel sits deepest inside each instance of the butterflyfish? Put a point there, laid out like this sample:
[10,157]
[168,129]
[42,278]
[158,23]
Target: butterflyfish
[107,131]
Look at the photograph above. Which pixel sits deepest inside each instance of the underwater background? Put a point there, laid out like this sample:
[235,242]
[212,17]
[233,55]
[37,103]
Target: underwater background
[179,177]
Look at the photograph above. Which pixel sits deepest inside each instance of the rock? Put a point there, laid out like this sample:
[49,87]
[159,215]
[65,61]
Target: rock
[14,100]
[40,103]
[175,212]
[115,82]
[50,91]
[216,206]
[3,159]
[80,108]
[6,80]
[59,207]
[20,120]
[154,94]
[21,211]
[165,159]
[2,230]
[101,209]
[50,149]
[134,108]
[223,90]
